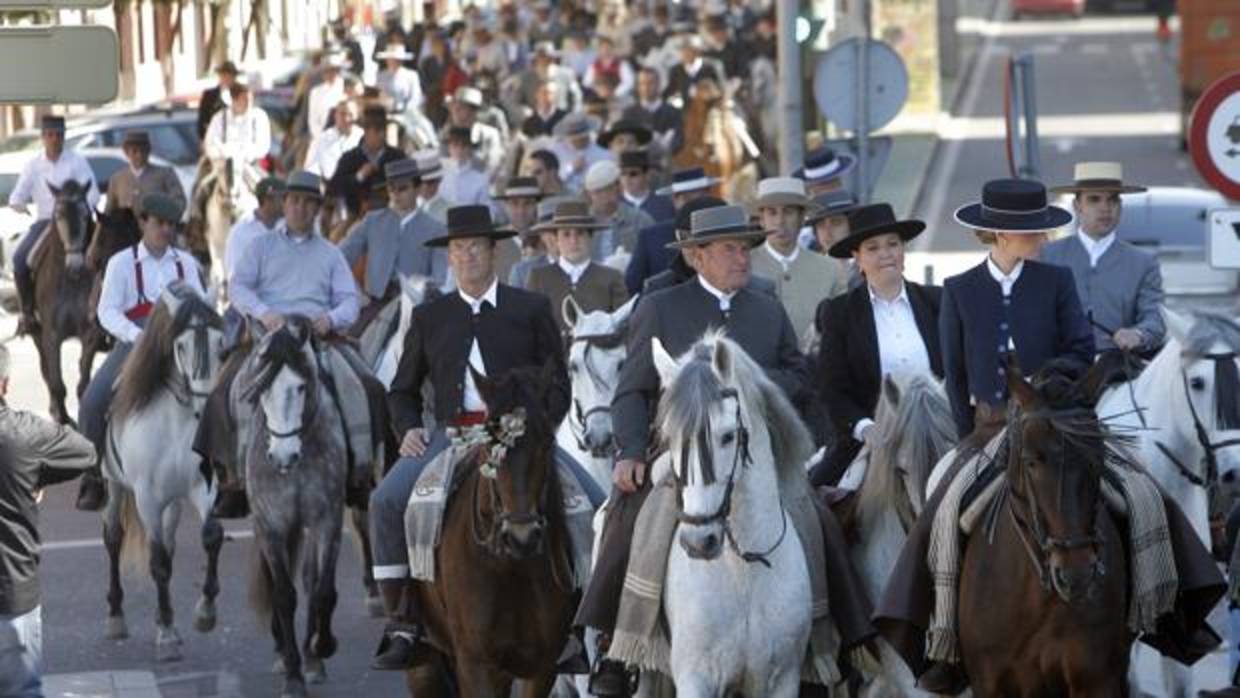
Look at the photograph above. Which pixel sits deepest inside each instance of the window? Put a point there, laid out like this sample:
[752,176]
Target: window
[169,143]
[103,167]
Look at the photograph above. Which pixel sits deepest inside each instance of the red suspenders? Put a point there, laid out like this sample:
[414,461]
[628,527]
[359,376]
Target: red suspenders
[144,306]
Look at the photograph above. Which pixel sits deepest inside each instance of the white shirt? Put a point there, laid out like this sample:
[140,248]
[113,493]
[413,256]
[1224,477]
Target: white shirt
[327,147]
[240,237]
[246,138]
[725,299]
[785,261]
[574,271]
[323,98]
[1006,282]
[404,87]
[462,185]
[471,401]
[1095,248]
[635,201]
[901,350]
[120,286]
[32,185]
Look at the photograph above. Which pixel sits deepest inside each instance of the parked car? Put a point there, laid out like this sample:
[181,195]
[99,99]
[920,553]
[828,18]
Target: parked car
[1024,8]
[173,136]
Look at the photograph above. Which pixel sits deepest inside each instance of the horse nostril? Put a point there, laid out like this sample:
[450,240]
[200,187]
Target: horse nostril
[710,543]
[1229,476]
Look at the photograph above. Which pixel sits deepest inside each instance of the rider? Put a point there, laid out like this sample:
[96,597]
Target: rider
[652,256]
[328,147]
[430,175]
[487,325]
[264,219]
[592,285]
[215,98]
[361,168]
[291,270]
[53,167]
[393,239]
[132,283]
[241,133]
[622,221]
[1119,284]
[127,185]
[325,95]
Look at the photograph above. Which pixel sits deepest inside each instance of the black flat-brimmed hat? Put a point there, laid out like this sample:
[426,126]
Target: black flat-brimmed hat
[692,179]
[636,159]
[870,221]
[138,137]
[637,130]
[839,202]
[717,224]
[470,222]
[1013,206]
[824,165]
[1107,177]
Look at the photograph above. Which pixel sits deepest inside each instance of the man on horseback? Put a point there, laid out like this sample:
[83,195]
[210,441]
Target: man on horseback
[132,282]
[51,168]
[128,185]
[294,271]
[241,133]
[361,168]
[486,327]
[264,219]
[592,285]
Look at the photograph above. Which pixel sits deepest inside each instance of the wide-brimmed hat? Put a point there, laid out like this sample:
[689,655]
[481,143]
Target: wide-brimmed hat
[576,124]
[869,221]
[636,129]
[781,191]
[720,223]
[824,165]
[692,179]
[636,159]
[1013,206]
[398,52]
[601,175]
[469,96]
[138,137]
[520,188]
[430,168]
[470,222]
[401,169]
[572,213]
[838,202]
[303,182]
[161,206]
[684,216]
[1098,176]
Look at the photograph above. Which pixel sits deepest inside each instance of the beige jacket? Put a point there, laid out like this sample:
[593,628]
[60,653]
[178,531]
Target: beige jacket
[809,279]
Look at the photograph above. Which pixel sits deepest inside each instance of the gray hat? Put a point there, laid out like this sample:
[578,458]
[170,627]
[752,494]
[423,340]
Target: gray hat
[137,137]
[576,124]
[303,182]
[161,206]
[781,191]
[267,186]
[429,167]
[403,168]
[837,202]
[720,223]
[520,188]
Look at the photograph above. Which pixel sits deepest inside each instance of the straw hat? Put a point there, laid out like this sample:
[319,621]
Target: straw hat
[1098,176]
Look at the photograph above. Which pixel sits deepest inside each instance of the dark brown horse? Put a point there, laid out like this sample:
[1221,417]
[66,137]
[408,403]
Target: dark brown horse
[1043,598]
[62,285]
[113,233]
[502,602]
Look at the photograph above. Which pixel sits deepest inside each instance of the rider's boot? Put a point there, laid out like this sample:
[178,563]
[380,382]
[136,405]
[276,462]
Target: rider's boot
[946,678]
[91,491]
[609,677]
[573,659]
[24,281]
[403,645]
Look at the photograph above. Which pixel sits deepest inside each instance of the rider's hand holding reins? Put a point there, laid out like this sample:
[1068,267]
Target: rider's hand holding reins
[1128,338]
[414,443]
[629,475]
[322,325]
[272,321]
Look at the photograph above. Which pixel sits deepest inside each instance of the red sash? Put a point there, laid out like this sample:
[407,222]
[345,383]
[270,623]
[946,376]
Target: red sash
[144,306]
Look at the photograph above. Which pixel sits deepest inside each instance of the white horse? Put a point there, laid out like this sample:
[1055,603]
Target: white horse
[914,429]
[1182,411]
[596,353]
[737,625]
[150,463]
[383,342]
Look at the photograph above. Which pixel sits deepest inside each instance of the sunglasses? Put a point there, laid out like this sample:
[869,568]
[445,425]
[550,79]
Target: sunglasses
[634,173]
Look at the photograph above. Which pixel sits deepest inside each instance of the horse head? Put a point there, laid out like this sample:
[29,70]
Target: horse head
[1208,398]
[71,215]
[284,382]
[1056,454]
[518,465]
[596,354]
[197,333]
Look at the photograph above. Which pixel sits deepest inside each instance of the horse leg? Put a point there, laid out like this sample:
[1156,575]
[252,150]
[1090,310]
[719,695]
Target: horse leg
[49,345]
[113,536]
[482,681]
[692,685]
[162,532]
[212,541]
[429,681]
[319,581]
[359,517]
[86,362]
[279,554]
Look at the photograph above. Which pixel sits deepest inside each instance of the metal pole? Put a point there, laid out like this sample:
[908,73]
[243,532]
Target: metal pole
[1018,111]
[1033,161]
[863,107]
[791,138]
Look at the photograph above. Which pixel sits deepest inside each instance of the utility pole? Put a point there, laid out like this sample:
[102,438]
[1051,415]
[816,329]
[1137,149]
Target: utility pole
[791,137]
[863,106]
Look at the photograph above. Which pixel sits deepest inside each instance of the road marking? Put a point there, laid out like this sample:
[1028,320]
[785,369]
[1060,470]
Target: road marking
[1094,49]
[1161,123]
[1103,26]
[98,542]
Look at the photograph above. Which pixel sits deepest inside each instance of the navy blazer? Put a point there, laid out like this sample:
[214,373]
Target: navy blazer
[651,255]
[660,208]
[1044,318]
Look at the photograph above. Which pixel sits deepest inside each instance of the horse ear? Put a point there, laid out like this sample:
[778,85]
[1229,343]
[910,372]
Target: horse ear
[1020,389]
[1178,325]
[1094,382]
[555,399]
[722,359]
[570,311]
[891,389]
[663,361]
[621,316]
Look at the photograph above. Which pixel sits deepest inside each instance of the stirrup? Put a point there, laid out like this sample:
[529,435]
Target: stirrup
[603,667]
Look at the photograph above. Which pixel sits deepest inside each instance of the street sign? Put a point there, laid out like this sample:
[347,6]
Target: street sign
[1224,242]
[879,151]
[1214,135]
[836,89]
[58,64]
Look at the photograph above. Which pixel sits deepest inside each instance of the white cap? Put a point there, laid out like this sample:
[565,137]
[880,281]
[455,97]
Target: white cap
[602,175]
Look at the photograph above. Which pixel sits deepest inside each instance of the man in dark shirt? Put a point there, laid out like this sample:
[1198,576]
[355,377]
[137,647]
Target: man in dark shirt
[212,99]
[361,169]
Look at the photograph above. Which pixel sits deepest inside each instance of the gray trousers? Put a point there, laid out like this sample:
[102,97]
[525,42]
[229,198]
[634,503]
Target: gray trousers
[21,654]
[389,500]
[93,408]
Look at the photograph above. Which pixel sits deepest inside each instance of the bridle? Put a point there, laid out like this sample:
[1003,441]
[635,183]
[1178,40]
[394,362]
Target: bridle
[309,413]
[580,418]
[741,459]
[202,362]
[1209,448]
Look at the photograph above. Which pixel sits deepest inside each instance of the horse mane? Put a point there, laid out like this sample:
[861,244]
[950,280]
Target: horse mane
[684,409]
[277,350]
[918,425]
[1210,328]
[151,362]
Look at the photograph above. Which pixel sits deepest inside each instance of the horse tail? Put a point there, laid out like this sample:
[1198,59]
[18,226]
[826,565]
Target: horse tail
[135,553]
[260,584]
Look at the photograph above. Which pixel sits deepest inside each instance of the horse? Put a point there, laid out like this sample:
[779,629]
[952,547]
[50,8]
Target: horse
[222,196]
[295,467]
[114,232]
[62,285]
[914,430]
[596,352]
[502,602]
[1060,625]
[737,593]
[383,341]
[149,460]
[1183,412]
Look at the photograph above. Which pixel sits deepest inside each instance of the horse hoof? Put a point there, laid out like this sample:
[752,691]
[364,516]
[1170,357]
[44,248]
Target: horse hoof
[374,606]
[117,630]
[278,666]
[324,646]
[204,616]
[168,652]
[315,671]
[293,688]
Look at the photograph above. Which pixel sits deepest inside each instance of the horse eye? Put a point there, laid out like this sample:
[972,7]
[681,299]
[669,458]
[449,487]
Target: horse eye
[572,367]
[1198,383]
[301,389]
[729,437]
[620,364]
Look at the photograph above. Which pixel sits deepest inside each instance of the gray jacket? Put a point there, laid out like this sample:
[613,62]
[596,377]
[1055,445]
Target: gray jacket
[1124,290]
[390,247]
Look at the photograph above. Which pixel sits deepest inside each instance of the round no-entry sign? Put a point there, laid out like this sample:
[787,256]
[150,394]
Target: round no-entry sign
[1214,135]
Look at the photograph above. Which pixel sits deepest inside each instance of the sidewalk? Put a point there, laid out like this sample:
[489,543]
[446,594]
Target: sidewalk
[102,684]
